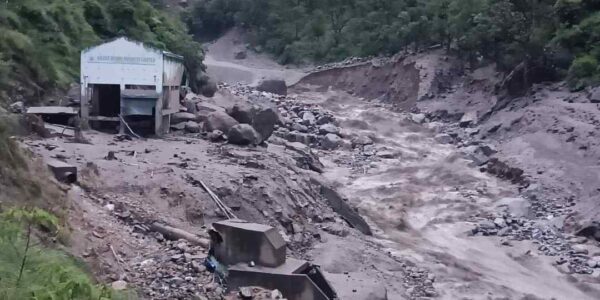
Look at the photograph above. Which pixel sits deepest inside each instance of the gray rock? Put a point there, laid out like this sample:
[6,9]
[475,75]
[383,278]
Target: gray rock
[478,159]
[246,292]
[487,150]
[181,117]
[299,127]
[336,229]
[417,118]
[487,224]
[579,249]
[500,222]
[308,118]
[594,95]
[369,150]
[330,141]
[276,294]
[389,154]
[219,120]
[443,138]
[329,128]
[178,126]
[274,86]
[593,262]
[209,89]
[119,285]
[17,107]
[517,207]
[192,127]
[243,134]
[190,106]
[216,136]
[468,119]
[303,138]
[242,112]
[361,141]
[241,54]
[324,119]
[304,157]
[264,123]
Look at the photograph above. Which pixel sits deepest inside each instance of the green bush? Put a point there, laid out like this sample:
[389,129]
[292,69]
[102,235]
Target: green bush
[41,40]
[29,270]
[583,71]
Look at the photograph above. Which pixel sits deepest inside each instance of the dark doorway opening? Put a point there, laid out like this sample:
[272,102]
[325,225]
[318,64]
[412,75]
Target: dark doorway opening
[107,100]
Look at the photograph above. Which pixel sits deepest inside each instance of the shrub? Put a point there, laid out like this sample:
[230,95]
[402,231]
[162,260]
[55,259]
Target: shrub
[582,72]
[29,270]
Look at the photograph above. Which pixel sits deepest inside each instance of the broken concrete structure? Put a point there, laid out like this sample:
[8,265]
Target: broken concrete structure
[55,114]
[256,256]
[62,171]
[124,78]
[246,242]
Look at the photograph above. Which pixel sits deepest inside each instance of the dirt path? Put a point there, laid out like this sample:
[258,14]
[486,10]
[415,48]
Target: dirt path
[223,67]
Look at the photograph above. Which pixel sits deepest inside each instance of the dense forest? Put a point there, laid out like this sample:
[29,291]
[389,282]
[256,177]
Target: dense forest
[560,35]
[41,40]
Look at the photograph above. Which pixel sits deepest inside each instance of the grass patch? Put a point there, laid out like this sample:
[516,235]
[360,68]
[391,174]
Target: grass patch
[33,214]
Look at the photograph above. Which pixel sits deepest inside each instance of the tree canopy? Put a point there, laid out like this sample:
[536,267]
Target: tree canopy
[558,33]
[40,40]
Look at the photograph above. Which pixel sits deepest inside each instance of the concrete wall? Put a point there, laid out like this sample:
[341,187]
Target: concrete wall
[122,61]
[246,242]
[292,286]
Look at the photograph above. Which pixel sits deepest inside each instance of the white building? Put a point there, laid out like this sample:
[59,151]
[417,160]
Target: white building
[124,78]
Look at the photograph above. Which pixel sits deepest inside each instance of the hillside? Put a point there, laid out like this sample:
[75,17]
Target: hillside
[551,38]
[40,40]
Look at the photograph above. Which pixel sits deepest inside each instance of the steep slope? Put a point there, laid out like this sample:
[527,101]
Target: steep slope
[40,41]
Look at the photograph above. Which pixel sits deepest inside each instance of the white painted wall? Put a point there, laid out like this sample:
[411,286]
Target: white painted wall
[122,62]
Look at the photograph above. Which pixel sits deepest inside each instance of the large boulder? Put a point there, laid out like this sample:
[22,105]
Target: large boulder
[329,128]
[361,140]
[594,95]
[275,86]
[242,112]
[243,134]
[330,141]
[209,88]
[242,54]
[468,119]
[190,105]
[219,120]
[192,127]
[308,118]
[264,122]
[181,117]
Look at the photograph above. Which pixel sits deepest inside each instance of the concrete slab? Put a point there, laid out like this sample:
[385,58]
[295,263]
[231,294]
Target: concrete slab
[291,266]
[243,242]
[52,110]
[60,130]
[62,171]
[292,286]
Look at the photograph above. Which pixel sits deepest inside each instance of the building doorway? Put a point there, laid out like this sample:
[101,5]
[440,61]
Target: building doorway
[106,100]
